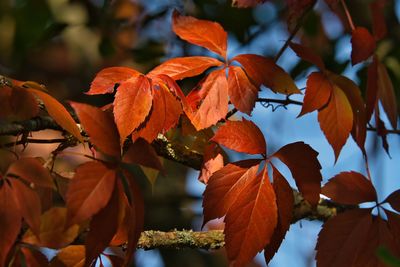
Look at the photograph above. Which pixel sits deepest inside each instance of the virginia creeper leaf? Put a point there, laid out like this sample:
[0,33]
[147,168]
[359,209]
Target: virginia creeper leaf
[302,161]
[212,162]
[379,28]
[34,258]
[242,92]
[336,120]
[246,3]
[141,152]
[363,45]
[17,104]
[386,94]
[58,112]
[251,220]
[308,55]
[89,191]
[105,80]
[204,33]
[372,88]
[242,136]
[132,104]
[394,200]
[264,71]
[101,128]
[71,256]
[184,67]
[350,188]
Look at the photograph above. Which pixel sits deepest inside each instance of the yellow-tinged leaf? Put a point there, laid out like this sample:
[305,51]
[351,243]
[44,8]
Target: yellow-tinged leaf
[71,256]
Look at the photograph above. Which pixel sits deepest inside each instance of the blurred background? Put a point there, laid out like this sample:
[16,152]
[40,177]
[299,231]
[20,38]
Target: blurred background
[64,43]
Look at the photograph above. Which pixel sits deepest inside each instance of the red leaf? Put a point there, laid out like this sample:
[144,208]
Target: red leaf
[132,104]
[58,112]
[242,136]
[307,54]
[89,191]
[105,80]
[183,67]
[71,256]
[386,94]
[204,33]
[101,128]
[214,105]
[284,202]
[394,200]
[224,186]
[32,171]
[212,162]
[28,202]
[264,71]
[10,221]
[363,45]
[302,161]
[34,258]
[342,237]
[379,27]
[251,220]
[242,92]
[17,104]
[394,225]
[372,88]
[141,152]
[318,92]
[102,227]
[336,120]
[350,188]
[247,3]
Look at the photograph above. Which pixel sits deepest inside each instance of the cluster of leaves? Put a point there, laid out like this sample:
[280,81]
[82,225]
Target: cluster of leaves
[103,195]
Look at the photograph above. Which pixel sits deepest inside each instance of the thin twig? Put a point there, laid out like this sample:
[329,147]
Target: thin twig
[34,141]
[348,16]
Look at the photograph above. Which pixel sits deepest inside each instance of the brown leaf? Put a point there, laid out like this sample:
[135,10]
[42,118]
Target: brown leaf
[105,80]
[379,27]
[264,71]
[89,191]
[251,220]
[101,128]
[242,92]
[59,113]
[302,161]
[242,136]
[394,200]
[132,104]
[308,55]
[71,256]
[184,67]
[386,94]
[350,188]
[141,152]
[363,45]
[204,33]
[10,221]
[34,258]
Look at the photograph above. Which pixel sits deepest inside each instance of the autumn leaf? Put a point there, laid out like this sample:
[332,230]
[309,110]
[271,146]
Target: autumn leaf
[242,136]
[184,67]
[242,92]
[203,33]
[58,112]
[363,45]
[101,128]
[212,162]
[308,55]
[350,188]
[264,71]
[251,220]
[141,152]
[10,221]
[71,256]
[336,120]
[386,94]
[302,161]
[53,233]
[89,191]
[105,80]
[33,257]
[17,104]
[247,3]
[394,200]
[379,27]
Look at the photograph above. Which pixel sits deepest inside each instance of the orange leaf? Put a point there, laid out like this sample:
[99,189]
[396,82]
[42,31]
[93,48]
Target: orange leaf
[394,200]
[336,120]
[212,162]
[307,54]
[10,221]
[53,233]
[101,128]
[204,33]
[302,161]
[71,256]
[284,202]
[242,92]
[17,104]
[59,113]
[141,152]
[105,80]
[28,203]
[89,191]
[224,186]
[350,188]
[251,220]
[242,136]
[264,71]
[386,94]
[102,227]
[214,106]
[132,104]
[363,45]
[32,171]
[318,92]
[183,67]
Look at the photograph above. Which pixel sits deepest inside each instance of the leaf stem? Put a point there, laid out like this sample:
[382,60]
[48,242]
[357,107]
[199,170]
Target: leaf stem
[348,16]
